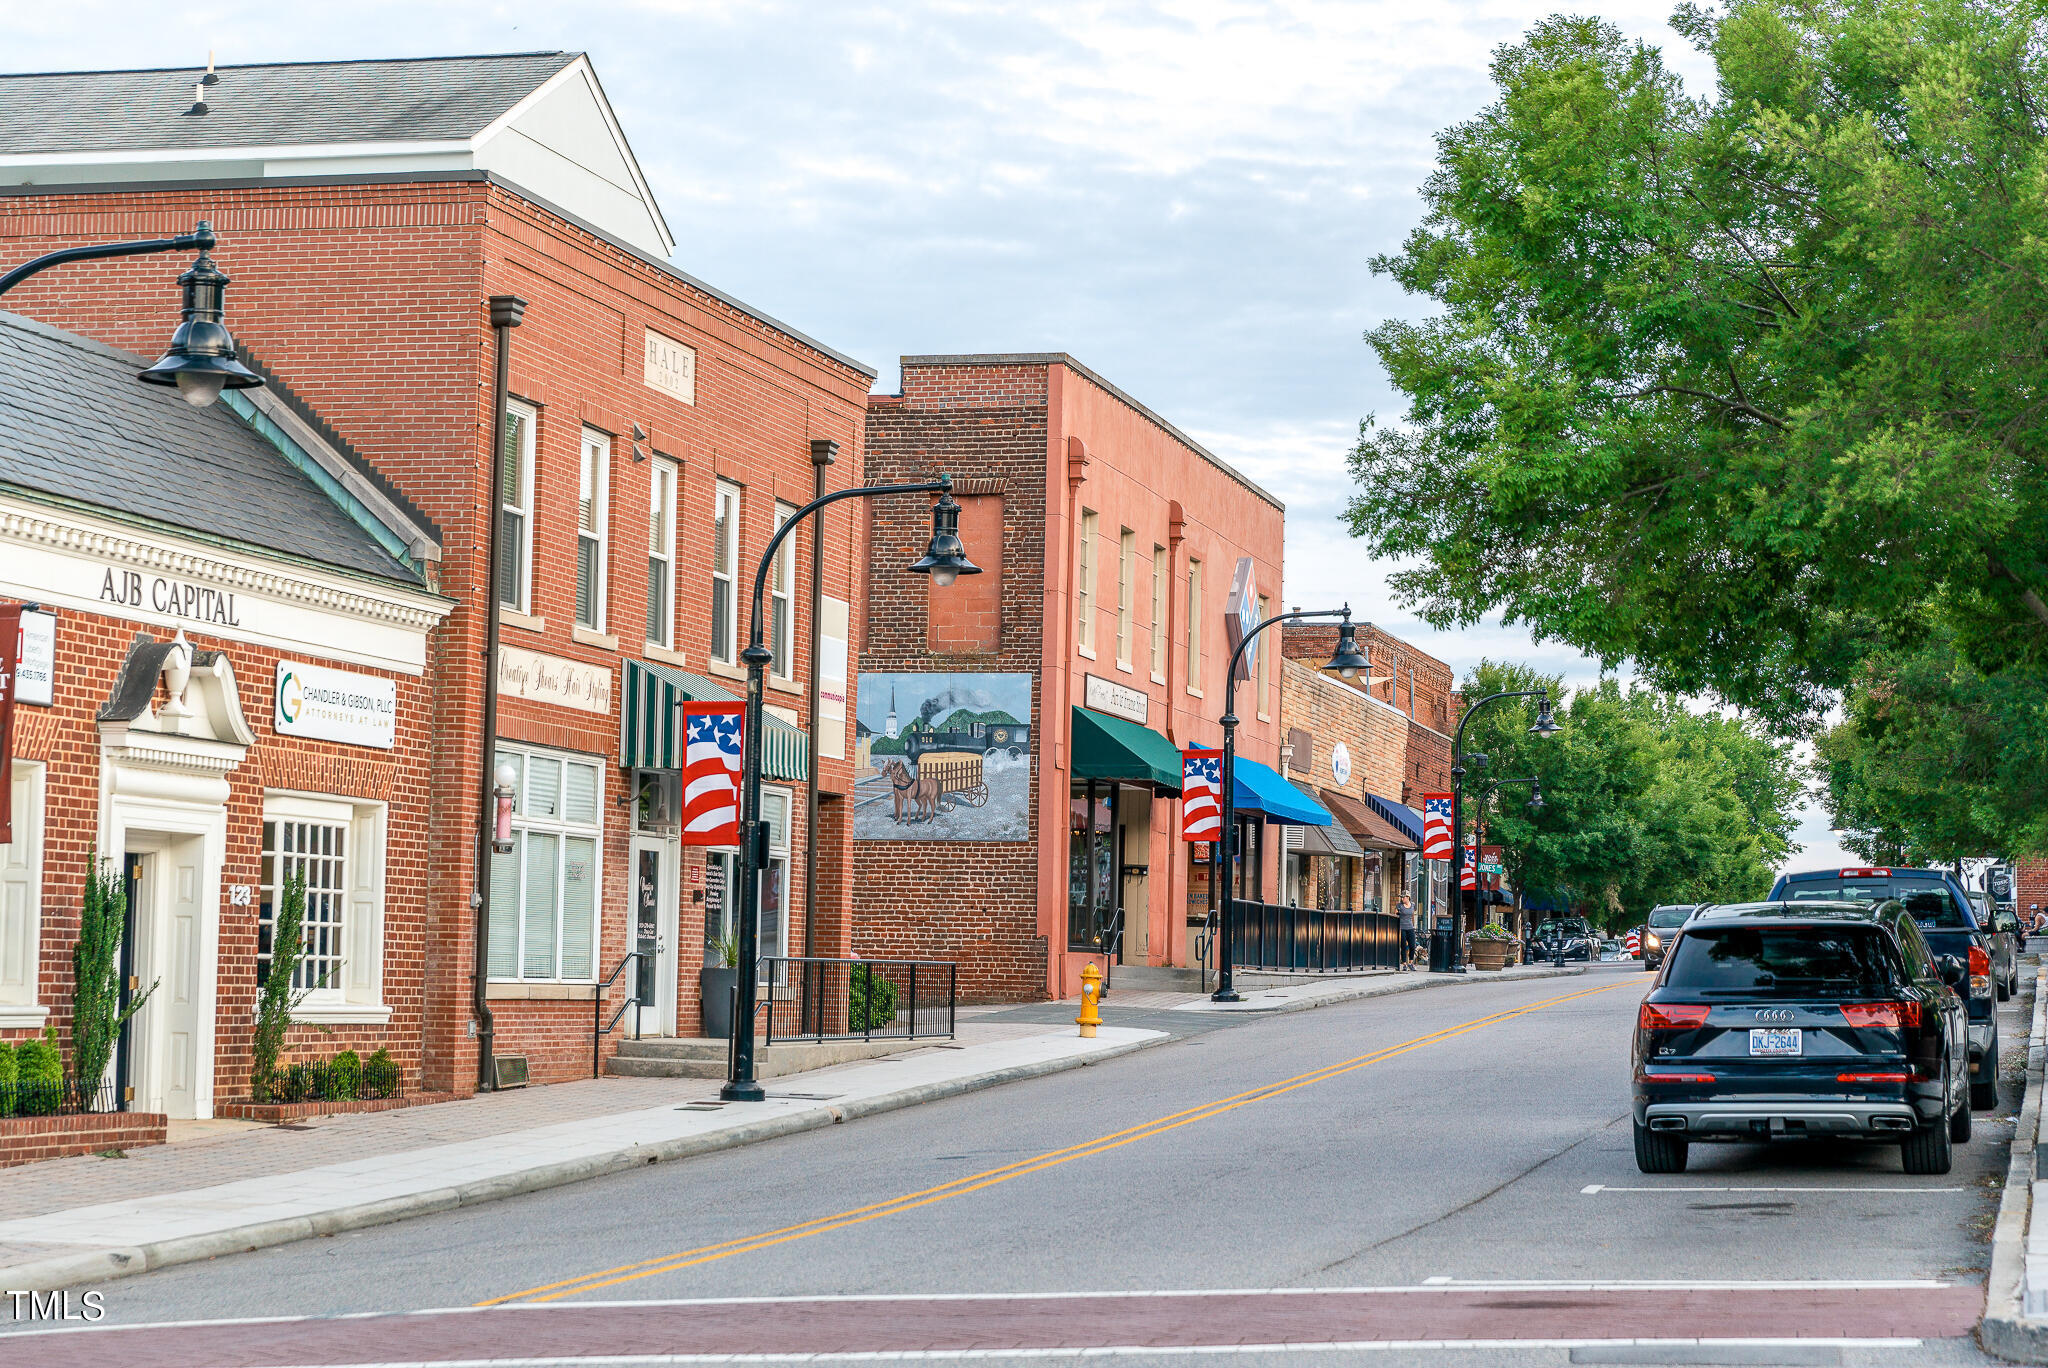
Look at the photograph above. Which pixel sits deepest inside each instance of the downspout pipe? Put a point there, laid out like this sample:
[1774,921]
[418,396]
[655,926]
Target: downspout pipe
[507,313]
[823,452]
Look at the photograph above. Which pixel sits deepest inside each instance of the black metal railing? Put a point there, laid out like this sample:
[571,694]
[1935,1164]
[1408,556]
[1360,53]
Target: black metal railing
[858,999]
[599,1027]
[342,1079]
[39,1097]
[1309,940]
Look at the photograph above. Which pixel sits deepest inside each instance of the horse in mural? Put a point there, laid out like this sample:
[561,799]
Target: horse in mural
[915,794]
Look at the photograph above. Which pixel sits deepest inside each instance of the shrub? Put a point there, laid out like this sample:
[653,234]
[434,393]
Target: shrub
[39,1088]
[278,995]
[10,1072]
[871,1000]
[97,1015]
[380,1074]
[345,1076]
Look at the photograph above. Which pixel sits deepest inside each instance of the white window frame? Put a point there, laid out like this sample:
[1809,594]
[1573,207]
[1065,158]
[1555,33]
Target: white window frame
[782,600]
[354,994]
[727,650]
[663,484]
[1084,584]
[1161,568]
[593,522]
[519,502]
[1126,556]
[21,901]
[526,823]
[1194,684]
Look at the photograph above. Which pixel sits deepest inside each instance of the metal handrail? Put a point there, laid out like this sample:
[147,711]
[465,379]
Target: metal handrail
[599,1027]
[809,992]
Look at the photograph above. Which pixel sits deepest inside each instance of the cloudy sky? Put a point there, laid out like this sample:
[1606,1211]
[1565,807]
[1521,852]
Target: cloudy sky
[1183,194]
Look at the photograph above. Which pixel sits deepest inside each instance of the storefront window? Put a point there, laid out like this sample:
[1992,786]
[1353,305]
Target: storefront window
[544,921]
[722,888]
[1091,867]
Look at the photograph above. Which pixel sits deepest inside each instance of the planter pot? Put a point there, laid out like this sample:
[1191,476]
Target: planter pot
[1491,954]
[716,985]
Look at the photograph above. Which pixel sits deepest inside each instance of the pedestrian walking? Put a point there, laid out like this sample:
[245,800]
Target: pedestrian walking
[1406,907]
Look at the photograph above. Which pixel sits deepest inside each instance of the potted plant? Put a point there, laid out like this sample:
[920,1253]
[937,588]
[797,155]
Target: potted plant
[1491,945]
[715,984]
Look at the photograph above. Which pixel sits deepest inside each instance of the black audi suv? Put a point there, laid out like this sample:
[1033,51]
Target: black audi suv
[1808,1020]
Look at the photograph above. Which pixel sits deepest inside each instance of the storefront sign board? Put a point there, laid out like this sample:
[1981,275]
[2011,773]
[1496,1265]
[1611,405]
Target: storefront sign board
[35,667]
[335,705]
[1118,700]
[552,679]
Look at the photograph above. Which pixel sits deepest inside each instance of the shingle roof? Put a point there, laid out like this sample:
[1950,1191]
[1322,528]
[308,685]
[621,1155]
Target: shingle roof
[275,104]
[76,424]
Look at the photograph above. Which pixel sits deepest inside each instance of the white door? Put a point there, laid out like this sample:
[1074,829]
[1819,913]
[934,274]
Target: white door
[170,932]
[654,904]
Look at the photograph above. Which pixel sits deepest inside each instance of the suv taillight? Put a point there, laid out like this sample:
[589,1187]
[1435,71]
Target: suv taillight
[1883,1016]
[1980,972]
[1672,1016]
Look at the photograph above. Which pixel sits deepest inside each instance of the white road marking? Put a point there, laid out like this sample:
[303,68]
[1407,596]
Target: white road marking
[1592,1188]
[1132,1351]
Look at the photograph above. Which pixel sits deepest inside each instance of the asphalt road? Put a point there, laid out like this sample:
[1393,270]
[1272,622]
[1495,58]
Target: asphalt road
[1403,1154]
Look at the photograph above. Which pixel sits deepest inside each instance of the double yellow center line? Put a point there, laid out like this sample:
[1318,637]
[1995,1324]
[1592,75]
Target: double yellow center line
[960,1187]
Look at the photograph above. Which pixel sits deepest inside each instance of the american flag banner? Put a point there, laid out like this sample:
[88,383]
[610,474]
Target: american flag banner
[1634,942]
[1436,826]
[1201,795]
[1469,878]
[711,773]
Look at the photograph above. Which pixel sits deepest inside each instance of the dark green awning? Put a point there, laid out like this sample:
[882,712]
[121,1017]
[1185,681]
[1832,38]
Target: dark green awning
[1108,747]
[651,730]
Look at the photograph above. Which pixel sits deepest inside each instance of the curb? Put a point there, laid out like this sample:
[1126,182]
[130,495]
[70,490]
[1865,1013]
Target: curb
[2004,1331]
[103,1265]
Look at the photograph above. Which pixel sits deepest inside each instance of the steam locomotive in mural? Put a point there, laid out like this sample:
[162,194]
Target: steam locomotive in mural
[983,738]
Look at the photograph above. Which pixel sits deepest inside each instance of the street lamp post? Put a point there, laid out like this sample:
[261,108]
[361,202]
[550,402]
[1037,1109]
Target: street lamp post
[201,358]
[1347,661]
[1545,725]
[944,560]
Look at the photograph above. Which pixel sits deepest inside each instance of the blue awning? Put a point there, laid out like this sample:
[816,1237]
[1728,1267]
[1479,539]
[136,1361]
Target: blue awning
[1400,814]
[1260,789]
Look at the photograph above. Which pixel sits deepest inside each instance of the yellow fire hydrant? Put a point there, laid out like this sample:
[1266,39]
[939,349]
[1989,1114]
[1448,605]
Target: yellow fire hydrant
[1091,989]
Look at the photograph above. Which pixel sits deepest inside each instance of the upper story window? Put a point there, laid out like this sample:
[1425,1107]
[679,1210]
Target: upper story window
[544,894]
[661,553]
[1160,568]
[1194,626]
[593,500]
[1126,567]
[1084,583]
[725,559]
[781,600]
[515,517]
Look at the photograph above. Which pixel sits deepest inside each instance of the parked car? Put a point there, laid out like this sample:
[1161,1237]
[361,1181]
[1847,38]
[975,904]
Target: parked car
[1661,929]
[1830,1020]
[1941,909]
[1573,934]
[2005,943]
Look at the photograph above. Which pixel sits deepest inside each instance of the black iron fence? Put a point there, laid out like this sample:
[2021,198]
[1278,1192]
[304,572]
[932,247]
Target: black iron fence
[857,999]
[345,1078]
[1309,940]
[51,1097]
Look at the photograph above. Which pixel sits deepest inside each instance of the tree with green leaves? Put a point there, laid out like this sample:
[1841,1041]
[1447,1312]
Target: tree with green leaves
[97,1016]
[1744,385]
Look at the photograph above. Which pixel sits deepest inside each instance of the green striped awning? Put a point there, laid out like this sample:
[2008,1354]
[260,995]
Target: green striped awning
[651,723]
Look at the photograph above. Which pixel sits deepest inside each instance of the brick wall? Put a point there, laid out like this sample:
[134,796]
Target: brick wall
[65,737]
[1421,687]
[305,259]
[1327,710]
[975,903]
[26,1139]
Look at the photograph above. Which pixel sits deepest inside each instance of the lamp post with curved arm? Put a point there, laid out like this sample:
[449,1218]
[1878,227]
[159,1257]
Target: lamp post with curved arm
[1451,956]
[1347,660]
[944,560]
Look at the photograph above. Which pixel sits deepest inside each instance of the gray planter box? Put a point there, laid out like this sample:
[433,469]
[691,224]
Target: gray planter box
[716,985]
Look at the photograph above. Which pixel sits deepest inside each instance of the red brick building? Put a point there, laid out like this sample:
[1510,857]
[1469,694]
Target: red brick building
[226,685]
[657,431]
[1040,705]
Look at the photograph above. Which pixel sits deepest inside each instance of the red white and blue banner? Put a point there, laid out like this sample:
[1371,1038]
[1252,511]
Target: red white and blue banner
[1634,942]
[712,759]
[1201,795]
[1469,877]
[1436,826]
